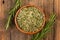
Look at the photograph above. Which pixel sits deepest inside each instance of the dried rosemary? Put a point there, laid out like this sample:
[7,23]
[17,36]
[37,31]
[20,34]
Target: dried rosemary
[30,19]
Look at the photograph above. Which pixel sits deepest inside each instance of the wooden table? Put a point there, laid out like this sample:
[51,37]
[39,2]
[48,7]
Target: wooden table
[13,34]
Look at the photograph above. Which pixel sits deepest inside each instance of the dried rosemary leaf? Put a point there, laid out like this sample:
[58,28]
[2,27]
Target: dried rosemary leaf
[31,19]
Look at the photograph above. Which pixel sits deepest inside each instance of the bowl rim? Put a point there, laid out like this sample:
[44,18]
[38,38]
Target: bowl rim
[17,26]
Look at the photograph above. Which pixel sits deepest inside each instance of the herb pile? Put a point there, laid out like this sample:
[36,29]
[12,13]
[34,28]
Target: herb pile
[30,19]
[39,35]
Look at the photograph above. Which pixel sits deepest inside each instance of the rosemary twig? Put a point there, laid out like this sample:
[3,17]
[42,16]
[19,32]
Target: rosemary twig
[12,12]
[46,29]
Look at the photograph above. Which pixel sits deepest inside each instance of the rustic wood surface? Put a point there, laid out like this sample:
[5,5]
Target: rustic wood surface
[13,34]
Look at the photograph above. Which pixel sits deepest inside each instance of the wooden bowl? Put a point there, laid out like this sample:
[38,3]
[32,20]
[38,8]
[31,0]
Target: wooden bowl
[23,30]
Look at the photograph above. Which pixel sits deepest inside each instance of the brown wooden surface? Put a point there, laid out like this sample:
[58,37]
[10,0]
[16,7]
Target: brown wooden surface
[13,34]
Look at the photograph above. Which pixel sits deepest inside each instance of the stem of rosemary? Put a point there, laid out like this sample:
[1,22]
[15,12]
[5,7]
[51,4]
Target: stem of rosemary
[12,12]
[48,25]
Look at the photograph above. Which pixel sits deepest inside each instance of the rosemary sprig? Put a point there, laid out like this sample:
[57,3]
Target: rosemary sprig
[12,12]
[48,25]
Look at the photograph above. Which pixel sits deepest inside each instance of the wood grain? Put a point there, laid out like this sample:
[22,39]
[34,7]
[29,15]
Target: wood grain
[57,34]
[48,9]
[13,33]
[57,11]
[4,8]
[1,16]
[4,35]
[57,8]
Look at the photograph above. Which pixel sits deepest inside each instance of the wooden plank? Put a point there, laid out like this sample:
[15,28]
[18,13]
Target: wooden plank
[0,35]
[57,11]
[57,8]
[48,9]
[4,8]
[57,33]
[38,3]
[1,16]
[4,35]
[17,35]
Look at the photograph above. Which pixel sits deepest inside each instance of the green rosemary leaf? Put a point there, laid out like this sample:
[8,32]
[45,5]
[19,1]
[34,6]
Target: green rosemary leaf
[12,12]
[8,22]
[46,29]
[35,36]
